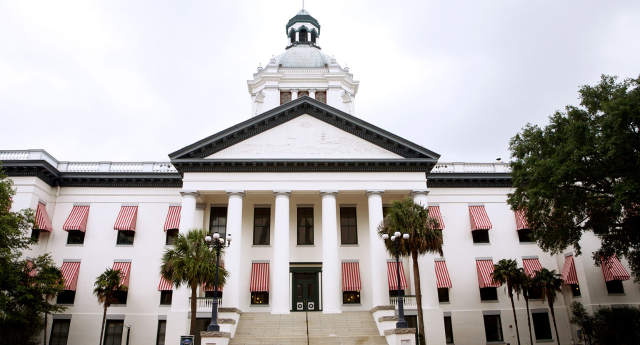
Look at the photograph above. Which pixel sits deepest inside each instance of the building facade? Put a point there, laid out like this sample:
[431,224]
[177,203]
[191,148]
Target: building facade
[302,186]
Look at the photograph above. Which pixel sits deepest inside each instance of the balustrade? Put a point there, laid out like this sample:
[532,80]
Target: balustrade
[206,303]
[409,301]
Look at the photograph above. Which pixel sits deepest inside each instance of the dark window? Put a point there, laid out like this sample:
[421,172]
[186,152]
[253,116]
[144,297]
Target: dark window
[260,297]
[351,297]
[75,237]
[285,97]
[66,297]
[162,330]
[35,233]
[575,290]
[615,286]
[321,96]
[303,93]
[489,294]
[535,293]
[59,332]
[166,297]
[541,326]
[292,34]
[443,294]
[313,36]
[480,236]
[218,221]
[448,329]
[121,296]
[524,235]
[305,225]
[348,228]
[125,237]
[172,235]
[493,328]
[261,226]
[113,332]
[385,211]
[211,294]
[303,36]
[394,293]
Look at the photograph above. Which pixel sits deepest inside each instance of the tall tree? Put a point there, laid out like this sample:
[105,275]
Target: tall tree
[190,262]
[526,283]
[549,283]
[407,217]
[107,286]
[582,173]
[506,271]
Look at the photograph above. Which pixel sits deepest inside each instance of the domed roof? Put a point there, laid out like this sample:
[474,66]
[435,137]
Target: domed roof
[303,56]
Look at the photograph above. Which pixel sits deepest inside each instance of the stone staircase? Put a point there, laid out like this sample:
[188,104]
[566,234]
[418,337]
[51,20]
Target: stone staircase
[348,328]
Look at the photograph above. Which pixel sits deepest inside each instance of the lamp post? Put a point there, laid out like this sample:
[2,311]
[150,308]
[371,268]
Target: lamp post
[402,323]
[217,245]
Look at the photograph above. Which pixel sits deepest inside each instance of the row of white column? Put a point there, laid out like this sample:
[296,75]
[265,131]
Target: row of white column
[331,268]
[294,93]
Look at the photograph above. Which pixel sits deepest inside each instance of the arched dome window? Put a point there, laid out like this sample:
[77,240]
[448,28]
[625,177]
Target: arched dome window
[303,35]
[303,93]
[321,96]
[292,35]
[313,36]
[285,97]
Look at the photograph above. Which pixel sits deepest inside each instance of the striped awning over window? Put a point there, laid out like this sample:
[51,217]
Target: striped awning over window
[43,222]
[442,274]
[77,219]
[434,212]
[207,287]
[479,218]
[485,268]
[531,266]
[259,277]
[165,285]
[125,268]
[569,274]
[70,274]
[351,276]
[613,269]
[521,220]
[392,277]
[173,218]
[127,218]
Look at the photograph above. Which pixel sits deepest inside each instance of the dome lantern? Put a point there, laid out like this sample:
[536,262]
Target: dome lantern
[303,29]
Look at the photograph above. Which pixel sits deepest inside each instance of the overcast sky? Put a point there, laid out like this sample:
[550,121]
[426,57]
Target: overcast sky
[137,80]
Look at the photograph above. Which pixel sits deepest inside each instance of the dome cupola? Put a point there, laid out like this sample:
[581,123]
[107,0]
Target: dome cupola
[303,29]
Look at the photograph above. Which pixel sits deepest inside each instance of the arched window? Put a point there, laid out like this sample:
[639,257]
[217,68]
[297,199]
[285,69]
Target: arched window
[303,35]
[292,35]
[321,96]
[313,36]
[285,97]
[302,93]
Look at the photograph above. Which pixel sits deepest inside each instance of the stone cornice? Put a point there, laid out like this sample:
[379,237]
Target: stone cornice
[469,180]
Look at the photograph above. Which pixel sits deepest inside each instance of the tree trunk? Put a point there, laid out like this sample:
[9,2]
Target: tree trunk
[526,300]
[416,277]
[553,316]
[104,319]
[515,318]
[45,328]
[194,307]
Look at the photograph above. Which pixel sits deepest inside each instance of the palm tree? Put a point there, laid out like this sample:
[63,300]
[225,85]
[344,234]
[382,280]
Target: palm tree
[526,282]
[192,263]
[107,285]
[550,283]
[507,272]
[407,217]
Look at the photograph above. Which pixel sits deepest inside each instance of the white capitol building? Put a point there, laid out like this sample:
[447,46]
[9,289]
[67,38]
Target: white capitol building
[301,185]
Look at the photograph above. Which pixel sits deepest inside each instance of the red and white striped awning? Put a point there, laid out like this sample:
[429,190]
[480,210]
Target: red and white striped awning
[392,277]
[442,274]
[165,285]
[613,269]
[77,219]
[173,218]
[569,275]
[127,218]
[70,274]
[43,222]
[521,220]
[531,266]
[434,212]
[125,268]
[207,287]
[259,277]
[479,218]
[351,276]
[485,268]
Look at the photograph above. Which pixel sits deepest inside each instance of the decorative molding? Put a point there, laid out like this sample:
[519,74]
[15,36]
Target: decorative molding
[448,180]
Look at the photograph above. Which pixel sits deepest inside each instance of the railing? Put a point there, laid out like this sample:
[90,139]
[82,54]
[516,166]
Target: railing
[83,167]
[206,303]
[304,71]
[409,301]
[473,168]
[14,155]
[164,167]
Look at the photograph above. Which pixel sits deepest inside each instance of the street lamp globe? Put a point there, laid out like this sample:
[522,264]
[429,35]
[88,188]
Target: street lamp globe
[397,234]
[229,238]
[216,235]
[393,238]
[208,239]
[405,236]
[385,236]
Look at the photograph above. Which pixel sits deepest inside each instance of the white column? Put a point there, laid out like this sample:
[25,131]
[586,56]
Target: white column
[308,36]
[312,93]
[294,94]
[233,252]
[188,210]
[297,36]
[281,294]
[420,196]
[331,270]
[379,285]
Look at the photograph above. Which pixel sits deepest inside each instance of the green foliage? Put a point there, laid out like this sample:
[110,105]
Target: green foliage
[107,285]
[582,172]
[581,318]
[608,326]
[549,283]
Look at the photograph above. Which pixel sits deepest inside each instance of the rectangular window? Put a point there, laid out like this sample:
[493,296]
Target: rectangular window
[260,297]
[285,97]
[305,225]
[541,326]
[351,297]
[615,286]
[448,329]
[489,294]
[443,294]
[59,332]
[172,234]
[166,297]
[218,221]
[211,294]
[75,237]
[321,96]
[113,332]
[125,237]
[535,293]
[524,235]
[575,290]
[162,330]
[480,236]
[35,233]
[385,211]
[348,227]
[66,297]
[261,226]
[121,297]
[394,293]
[493,328]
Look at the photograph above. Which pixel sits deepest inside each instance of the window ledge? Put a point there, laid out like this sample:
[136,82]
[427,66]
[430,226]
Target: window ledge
[349,245]
[352,304]
[74,245]
[496,301]
[65,304]
[545,341]
[527,243]
[165,305]
[169,246]
[118,305]
[124,245]
[444,302]
[495,342]
[259,305]
[484,244]
[261,245]
[617,294]
[305,245]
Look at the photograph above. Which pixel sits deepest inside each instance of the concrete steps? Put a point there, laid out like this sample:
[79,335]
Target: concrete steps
[349,328]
